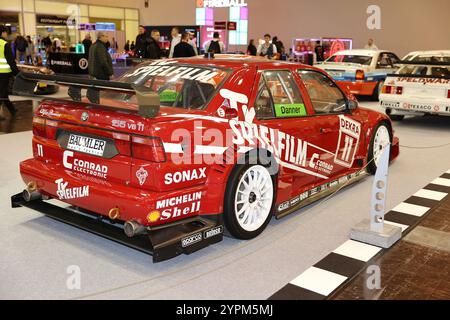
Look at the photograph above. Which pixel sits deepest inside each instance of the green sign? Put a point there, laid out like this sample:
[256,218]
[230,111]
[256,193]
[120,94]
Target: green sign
[290,110]
[168,96]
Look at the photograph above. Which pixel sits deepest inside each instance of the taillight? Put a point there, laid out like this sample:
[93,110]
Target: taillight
[359,75]
[148,148]
[39,127]
[386,89]
[44,128]
[392,90]
[448,94]
[122,142]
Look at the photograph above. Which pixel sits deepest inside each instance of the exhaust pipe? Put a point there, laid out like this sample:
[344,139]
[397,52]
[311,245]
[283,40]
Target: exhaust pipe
[133,228]
[31,196]
[31,193]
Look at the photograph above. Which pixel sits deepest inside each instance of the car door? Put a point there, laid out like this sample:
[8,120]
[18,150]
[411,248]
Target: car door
[280,107]
[337,132]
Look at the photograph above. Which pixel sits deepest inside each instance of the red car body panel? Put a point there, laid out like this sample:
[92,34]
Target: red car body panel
[361,88]
[139,188]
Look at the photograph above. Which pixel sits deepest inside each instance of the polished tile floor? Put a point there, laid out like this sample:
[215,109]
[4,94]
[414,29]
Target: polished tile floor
[21,121]
[416,268]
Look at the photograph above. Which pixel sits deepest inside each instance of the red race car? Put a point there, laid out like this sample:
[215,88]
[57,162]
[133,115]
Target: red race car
[179,149]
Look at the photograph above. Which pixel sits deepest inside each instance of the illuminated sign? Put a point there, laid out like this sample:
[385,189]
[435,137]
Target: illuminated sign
[220,3]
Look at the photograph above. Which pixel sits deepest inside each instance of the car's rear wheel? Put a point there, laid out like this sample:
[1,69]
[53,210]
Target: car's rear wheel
[249,200]
[380,140]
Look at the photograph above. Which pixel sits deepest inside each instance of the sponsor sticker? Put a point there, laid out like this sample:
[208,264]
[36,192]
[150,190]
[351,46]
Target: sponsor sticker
[188,241]
[349,133]
[83,166]
[183,205]
[213,232]
[86,144]
[65,193]
[141,175]
[184,176]
[290,110]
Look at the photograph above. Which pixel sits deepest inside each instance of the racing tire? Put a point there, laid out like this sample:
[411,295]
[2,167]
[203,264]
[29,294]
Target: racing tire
[382,135]
[376,92]
[249,200]
[396,117]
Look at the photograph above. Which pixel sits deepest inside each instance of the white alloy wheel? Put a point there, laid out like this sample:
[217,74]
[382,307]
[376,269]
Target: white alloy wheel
[382,140]
[254,197]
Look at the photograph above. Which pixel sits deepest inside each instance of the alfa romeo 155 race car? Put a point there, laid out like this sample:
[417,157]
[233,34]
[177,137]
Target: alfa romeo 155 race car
[362,71]
[180,151]
[420,87]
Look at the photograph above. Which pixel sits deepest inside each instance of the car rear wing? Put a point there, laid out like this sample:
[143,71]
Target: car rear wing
[424,64]
[148,101]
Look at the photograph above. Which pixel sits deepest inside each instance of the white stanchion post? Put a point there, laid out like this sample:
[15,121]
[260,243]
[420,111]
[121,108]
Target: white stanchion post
[374,231]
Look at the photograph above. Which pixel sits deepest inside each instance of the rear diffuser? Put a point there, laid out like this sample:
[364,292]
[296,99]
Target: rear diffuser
[163,243]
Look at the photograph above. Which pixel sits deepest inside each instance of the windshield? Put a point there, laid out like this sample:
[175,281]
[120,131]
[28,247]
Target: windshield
[178,85]
[347,58]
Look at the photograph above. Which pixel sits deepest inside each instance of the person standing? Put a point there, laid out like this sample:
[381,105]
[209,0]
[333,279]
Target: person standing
[21,47]
[320,54]
[251,49]
[370,45]
[267,49]
[153,48]
[8,68]
[215,45]
[87,43]
[100,64]
[132,46]
[30,51]
[142,41]
[183,49]
[176,39]
[127,46]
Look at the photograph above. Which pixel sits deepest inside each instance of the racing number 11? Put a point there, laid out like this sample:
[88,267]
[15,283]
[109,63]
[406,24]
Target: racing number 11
[347,148]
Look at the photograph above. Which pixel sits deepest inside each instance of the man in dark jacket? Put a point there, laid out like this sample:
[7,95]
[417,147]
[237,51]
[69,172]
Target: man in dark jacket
[184,49]
[100,64]
[87,43]
[8,69]
[142,42]
[153,48]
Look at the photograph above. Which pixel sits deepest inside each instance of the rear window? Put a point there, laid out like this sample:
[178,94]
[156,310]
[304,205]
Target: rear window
[178,85]
[364,60]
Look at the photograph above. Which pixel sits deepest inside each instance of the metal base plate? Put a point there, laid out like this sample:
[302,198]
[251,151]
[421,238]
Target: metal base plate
[385,239]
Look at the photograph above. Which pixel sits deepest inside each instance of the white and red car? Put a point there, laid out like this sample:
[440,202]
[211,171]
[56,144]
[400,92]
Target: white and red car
[420,87]
[361,71]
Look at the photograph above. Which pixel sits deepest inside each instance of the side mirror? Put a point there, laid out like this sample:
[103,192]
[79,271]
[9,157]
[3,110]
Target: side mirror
[148,101]
[352,104]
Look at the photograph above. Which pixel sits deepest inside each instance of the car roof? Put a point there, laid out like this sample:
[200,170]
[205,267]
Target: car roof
[360,52]
[430,52]
[237,62]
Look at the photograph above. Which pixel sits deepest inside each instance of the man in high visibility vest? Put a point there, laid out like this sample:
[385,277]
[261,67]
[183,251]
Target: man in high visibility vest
[8,68]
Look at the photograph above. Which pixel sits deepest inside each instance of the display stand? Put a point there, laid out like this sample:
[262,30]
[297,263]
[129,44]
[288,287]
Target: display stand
[374,231]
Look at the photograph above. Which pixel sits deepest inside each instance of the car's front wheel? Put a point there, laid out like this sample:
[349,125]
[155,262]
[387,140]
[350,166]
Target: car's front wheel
[249,199]
[380,139]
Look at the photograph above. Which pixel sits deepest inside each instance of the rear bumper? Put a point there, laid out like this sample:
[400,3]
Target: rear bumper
[404,105]
[362,88]
[162,244]
[100,196]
